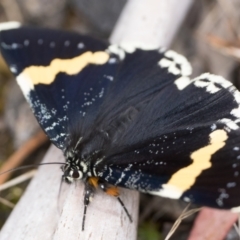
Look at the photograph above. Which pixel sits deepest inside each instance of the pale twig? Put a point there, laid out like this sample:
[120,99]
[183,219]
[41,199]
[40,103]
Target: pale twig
[24,151]
[6,202]
[228,12]
[183,215]
[24,177]
[237,227]
[12,10]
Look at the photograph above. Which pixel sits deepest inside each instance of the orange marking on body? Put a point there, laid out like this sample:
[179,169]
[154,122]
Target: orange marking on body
[93,181]
[113,191]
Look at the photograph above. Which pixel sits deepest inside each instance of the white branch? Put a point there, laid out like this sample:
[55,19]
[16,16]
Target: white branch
[154,22]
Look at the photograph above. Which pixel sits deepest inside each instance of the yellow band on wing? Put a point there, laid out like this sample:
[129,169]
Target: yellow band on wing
[33,75]
[186,177]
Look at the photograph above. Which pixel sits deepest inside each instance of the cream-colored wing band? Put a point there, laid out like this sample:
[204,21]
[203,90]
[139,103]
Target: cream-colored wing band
[185,178]
[33,75]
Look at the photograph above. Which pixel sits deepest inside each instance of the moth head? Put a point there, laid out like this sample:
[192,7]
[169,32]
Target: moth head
[74,169]
[71,174]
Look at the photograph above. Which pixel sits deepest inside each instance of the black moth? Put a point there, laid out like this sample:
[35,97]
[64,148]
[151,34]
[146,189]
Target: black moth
[130,117]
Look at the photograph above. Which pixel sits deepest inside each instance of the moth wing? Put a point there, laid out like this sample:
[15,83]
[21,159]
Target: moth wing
[184,144]
[62,75]
[75,83]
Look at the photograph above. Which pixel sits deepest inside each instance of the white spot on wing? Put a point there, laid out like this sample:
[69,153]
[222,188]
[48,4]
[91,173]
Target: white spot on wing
[172,68]
[13,69]
[236,94]
[231,184]
[176,64]
[26,42]
[115,49]
[182,82]
[52,127]
[210,86]
[66,43]
[168,191]
[109,77]
[25,84]
[213,127]
[11,46]
[131,47]
[187,199]
[121,178]
[211,82]
[229,123]
[112,60]
[186,68]
[80,45]
[236,112]
[235,209]
[9,25]
[40,41]
[52,44]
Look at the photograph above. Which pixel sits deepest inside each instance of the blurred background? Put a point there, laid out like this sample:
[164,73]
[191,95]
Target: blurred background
[209,38]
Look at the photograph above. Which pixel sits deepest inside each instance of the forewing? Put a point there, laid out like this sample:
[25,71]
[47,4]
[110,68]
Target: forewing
[77,85]
[62,75]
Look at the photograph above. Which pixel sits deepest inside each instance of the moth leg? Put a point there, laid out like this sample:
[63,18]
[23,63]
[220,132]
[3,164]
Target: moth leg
[88,195]
[114,191]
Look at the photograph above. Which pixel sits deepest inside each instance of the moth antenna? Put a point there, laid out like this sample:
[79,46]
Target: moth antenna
[59,193]
[29,166]
[125,209]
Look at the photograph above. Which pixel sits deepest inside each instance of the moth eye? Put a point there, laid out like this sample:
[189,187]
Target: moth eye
[75,174]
